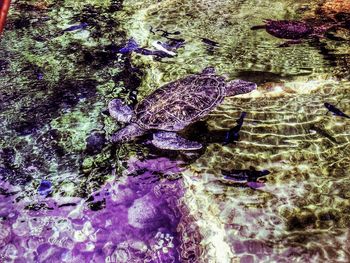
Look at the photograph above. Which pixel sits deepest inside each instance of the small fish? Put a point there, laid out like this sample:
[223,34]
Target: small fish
[164,32]
[162,47]
[249,175]
[233,134]
[210,42]
[44,188]
[130,46]
[335,111]
[76,27]
[323,133]
[244,176]
[172,44]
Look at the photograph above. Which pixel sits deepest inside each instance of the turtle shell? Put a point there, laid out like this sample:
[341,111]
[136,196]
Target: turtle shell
[177,104]
[288,29]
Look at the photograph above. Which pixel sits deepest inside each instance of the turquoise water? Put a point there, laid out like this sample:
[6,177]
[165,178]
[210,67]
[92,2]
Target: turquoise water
[68,194]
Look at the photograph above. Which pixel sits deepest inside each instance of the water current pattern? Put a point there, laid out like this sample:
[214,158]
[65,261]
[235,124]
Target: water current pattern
[197,172]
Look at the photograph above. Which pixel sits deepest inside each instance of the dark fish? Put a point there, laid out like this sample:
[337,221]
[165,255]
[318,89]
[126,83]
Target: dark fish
[45,188]
[132,46]
[172,43]
[210,42]
[244,176]
[335,110]
[232,135]
[76,27]
[164,32]
[323,133]
[157,53]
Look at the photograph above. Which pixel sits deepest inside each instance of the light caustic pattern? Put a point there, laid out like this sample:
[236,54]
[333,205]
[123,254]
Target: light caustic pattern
[302,212]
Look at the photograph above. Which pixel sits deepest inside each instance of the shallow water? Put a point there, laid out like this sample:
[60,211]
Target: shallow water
[69,195]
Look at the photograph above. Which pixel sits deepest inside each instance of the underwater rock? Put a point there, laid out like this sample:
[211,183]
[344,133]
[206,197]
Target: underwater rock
[8,156]
[8,252]
[142,213]
[5,233]
[50,253]
[3,64]
[330,7]
[344,18]
[25,128]
[95,143]
[15,176]
[115,5]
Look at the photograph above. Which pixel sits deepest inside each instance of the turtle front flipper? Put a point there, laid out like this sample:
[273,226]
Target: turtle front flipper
[128,133]
[172,141]
[119,111]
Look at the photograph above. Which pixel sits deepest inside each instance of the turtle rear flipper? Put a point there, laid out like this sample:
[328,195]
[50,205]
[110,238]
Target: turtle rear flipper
[172,141]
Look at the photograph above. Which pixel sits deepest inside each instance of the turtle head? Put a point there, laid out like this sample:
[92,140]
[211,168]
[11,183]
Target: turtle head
[209,70]
[238,86]
[119,111]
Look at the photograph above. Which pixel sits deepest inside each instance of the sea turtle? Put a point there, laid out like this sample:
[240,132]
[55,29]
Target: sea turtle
[295,30]
[174,106]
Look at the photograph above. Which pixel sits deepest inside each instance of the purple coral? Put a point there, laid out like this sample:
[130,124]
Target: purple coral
[139,222]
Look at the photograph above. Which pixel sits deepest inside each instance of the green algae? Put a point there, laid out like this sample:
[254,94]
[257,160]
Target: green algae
[58,86]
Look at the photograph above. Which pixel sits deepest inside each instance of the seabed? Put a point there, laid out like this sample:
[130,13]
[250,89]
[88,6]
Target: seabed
[277,191]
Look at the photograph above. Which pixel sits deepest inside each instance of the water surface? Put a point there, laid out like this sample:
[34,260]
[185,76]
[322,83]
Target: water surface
[134,203]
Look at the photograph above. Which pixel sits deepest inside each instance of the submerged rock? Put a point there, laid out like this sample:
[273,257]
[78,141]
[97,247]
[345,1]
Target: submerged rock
[95,143]
[142,213]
